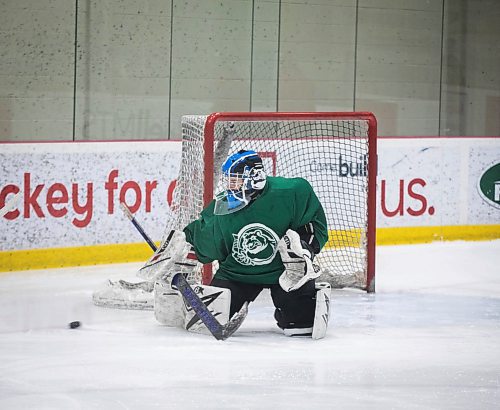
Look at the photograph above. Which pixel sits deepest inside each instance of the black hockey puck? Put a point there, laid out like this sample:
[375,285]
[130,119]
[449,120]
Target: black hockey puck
[74,325]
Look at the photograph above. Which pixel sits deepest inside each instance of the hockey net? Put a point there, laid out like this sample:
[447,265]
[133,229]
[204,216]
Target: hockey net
[335,152]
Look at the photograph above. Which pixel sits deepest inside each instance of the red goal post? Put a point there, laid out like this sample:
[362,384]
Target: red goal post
[335,151]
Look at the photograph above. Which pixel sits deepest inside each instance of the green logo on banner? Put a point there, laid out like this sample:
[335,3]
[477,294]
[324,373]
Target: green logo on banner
[489,185]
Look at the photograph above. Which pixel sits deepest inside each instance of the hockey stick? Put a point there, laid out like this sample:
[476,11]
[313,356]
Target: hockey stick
[220,332]
[132,219]
[10,204]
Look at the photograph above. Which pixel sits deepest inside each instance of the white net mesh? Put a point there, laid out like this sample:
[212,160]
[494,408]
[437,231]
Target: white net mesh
[332,154]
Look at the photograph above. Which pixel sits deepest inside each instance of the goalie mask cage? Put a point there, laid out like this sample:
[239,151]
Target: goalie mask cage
[335,151]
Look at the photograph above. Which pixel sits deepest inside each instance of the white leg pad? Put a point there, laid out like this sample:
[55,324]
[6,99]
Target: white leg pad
[125,295]
[168,305]
[322,313]
[218,300]
[171,310]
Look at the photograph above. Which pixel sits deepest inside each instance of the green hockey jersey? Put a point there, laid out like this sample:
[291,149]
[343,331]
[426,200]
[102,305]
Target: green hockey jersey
[245,242]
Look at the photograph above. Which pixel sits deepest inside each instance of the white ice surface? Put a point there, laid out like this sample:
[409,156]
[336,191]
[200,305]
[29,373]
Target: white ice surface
[428,339]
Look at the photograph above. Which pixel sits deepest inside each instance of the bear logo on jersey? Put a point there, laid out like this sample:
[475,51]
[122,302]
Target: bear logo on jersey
[255,244]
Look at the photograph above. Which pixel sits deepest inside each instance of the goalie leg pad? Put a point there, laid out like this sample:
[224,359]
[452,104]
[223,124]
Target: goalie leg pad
[294,323]
[168,305]
[322,312]
[218,301]
[125,295]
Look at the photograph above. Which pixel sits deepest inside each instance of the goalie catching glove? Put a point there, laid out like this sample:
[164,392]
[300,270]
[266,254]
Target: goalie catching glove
[175,255]
[298,261]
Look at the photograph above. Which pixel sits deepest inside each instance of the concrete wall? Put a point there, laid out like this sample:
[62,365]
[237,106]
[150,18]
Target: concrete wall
[471,67]
[424,67]
[123,75]
[399,59]
[36,69]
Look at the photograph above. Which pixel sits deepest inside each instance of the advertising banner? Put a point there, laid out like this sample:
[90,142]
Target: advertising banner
[69,193]
[438,182]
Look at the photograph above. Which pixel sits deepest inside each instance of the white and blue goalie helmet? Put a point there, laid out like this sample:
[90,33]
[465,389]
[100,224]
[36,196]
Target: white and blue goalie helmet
[243,177]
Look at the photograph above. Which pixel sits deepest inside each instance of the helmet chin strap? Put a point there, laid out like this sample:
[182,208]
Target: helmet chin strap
[255,193]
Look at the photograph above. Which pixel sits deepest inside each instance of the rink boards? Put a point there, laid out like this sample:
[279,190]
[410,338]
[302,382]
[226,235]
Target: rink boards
[427,189]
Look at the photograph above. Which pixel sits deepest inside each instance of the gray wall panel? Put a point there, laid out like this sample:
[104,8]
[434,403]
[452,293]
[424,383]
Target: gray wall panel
[36,71]
[316,56]
[423,67]
[399,57]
